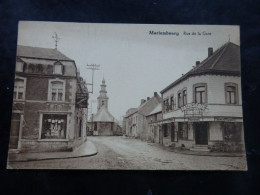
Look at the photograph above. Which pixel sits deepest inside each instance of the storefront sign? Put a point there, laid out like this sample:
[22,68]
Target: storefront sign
[225,119]
[193,110]
[82,100]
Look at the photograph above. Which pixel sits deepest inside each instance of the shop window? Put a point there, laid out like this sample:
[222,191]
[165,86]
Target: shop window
[19,89]
[184,97]
[54,126]
[232,131]
[183,131]
[231,93]
[200,93]
[179,100]
[57,90]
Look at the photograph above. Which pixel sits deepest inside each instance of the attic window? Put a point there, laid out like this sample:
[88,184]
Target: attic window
[57,69]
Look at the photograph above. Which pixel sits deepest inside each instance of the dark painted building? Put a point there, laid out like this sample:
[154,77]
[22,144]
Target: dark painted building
[45,114]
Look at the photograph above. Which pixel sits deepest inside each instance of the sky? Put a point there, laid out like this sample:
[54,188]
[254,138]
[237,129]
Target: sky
[134,63]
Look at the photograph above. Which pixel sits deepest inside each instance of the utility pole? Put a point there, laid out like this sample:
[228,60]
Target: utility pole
[56,40]
[92,67]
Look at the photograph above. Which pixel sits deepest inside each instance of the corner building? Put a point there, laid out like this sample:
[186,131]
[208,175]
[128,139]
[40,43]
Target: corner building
[45,115]
[202,110]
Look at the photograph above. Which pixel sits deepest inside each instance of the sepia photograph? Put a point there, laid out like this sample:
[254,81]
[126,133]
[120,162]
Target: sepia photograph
[103,96]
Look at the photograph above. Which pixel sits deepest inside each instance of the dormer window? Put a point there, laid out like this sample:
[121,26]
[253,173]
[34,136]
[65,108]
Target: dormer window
[19,89]
[58,68]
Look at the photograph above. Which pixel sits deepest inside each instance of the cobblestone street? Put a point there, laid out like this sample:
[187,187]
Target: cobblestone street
[116,152]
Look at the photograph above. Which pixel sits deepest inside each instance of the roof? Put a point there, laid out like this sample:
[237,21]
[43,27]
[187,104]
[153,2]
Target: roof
[157,109]
[149,105]
[131,111]
[224,61]
[103,115]
[43,53]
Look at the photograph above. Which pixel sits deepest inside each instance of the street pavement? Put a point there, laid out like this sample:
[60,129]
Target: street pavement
[118,152]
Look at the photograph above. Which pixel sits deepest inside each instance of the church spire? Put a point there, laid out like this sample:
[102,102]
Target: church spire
[102,98]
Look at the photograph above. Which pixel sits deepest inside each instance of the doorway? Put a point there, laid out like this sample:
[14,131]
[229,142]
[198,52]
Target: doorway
[172,132]
[201,133]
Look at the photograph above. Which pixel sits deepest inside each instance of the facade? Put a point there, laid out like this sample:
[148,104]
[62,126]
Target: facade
[136,121]
[154,119]
[45,115]
[103,123]
[202,110]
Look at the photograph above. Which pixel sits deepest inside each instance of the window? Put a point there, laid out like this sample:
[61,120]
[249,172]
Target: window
[179,100]
[232,131]
[184,97]
[54,126]
[200,93]
[57,90]
[172,104]
[102,102]
[19,66]
[167,105]
[58,68]
[19,89]
[231,93]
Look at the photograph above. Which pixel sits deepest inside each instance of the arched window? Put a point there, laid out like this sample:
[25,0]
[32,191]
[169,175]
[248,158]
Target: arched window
[231,93]
[57,90]
[19,89]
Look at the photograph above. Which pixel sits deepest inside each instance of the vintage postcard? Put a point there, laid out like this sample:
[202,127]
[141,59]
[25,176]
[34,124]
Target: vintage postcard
[127,97]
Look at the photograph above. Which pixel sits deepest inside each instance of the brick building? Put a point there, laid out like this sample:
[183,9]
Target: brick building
[136,121]
[45,114]
[202,110]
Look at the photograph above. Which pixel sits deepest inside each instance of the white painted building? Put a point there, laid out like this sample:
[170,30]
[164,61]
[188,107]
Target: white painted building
[202,110]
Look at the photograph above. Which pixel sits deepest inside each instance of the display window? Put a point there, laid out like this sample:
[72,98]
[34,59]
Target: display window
[54,126]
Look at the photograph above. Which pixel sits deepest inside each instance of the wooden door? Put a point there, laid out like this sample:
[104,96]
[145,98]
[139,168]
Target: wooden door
[14,133]
[201,133]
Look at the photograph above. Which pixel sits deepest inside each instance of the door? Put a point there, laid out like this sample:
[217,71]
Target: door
[201,133]
[172,132]
[14,133]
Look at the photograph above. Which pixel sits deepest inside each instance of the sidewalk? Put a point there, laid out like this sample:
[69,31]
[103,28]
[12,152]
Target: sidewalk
[86,149]
[198,153]
[202,153]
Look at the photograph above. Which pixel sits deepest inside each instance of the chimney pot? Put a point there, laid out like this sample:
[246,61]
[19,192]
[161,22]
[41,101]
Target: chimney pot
[197,63]
[148,98]
[210,51]
[142,101]
[155,93]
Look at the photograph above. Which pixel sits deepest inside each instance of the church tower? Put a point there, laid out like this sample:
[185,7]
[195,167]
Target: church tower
[102,98]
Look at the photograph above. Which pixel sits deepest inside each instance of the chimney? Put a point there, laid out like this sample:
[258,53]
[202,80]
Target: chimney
[210,51]
[197,63]
[155,93]
[142,101]
[148,98]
